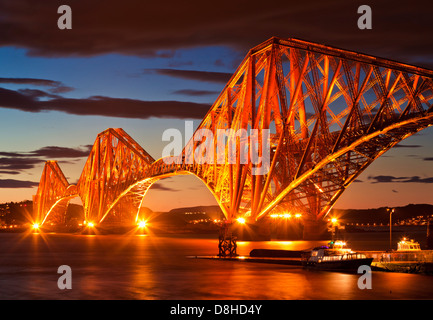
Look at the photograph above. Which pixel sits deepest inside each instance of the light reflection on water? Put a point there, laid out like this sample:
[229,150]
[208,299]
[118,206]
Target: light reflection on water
[152,267]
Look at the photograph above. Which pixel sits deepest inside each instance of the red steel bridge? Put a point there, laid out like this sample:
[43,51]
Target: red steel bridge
[331,113]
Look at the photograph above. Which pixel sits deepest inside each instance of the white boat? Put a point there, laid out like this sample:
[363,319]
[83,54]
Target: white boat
[336,256]
[408,245]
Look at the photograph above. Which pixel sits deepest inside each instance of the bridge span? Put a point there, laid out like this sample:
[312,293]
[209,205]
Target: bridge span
[329,113]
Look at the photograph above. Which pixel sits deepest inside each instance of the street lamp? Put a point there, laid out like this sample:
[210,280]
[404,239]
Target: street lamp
[391,211]
[334,222]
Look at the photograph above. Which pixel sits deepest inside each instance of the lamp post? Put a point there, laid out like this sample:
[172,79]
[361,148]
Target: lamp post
[390,227]
[334,225]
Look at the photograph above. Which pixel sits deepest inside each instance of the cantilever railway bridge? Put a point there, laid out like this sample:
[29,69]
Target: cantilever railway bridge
[330,112]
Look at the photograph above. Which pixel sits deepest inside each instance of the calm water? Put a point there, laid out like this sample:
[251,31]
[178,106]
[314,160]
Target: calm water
[156,267]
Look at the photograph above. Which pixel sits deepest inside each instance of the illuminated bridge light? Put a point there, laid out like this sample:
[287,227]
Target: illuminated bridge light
[142,224]
[241,220]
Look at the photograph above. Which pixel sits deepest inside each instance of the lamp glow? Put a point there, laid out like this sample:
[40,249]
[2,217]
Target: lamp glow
[241,220]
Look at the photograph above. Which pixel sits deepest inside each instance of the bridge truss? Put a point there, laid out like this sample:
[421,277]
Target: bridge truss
[330,113]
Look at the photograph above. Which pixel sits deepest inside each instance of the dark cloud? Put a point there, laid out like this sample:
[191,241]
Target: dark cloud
[392,179]
[102,106]
[18,100]
[16,162]
[154,28]
[56,86]
[420,180]
[127,108]
[36,94]
[53,152]
[31,81]
[208,76]
[428,159]
[61,89]
[195,93]
[9,172]
[178,63]
[12,183]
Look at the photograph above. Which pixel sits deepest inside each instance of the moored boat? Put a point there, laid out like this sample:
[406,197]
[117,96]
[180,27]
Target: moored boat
[335,257]
[408,245]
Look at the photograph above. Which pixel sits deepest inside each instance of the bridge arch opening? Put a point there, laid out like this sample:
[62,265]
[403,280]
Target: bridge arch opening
[178,191]
[401,176]
[75,213]
[67,212]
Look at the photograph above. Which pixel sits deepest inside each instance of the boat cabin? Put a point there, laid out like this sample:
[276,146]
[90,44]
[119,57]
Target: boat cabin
[408,245]
[336,251]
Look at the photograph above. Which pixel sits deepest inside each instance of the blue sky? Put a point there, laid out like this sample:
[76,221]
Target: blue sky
[131,50]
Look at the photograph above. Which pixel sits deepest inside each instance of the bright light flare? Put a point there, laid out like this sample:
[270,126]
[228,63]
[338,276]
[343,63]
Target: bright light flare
[334,220]
[142,224]
[340,243]
[90,224]
[35,226]
[241,220]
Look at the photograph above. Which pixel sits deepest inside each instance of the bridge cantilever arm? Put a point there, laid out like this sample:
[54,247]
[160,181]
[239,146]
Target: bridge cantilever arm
[296,182]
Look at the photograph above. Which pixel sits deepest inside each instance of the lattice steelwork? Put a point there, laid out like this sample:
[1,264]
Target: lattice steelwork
[330,112]
[115,163]
[53,195]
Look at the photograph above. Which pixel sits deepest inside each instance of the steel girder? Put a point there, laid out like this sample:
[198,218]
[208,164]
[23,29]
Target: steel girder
[115,163]
[330,112]
[53,195]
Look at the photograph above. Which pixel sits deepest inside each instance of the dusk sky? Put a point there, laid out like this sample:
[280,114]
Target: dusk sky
[146,66]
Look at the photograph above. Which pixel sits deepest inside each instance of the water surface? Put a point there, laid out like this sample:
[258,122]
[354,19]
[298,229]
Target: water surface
[158,267]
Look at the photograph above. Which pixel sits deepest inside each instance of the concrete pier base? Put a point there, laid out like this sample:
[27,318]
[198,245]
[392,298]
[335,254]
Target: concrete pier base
[260,231]
[287,230]
[315,230]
